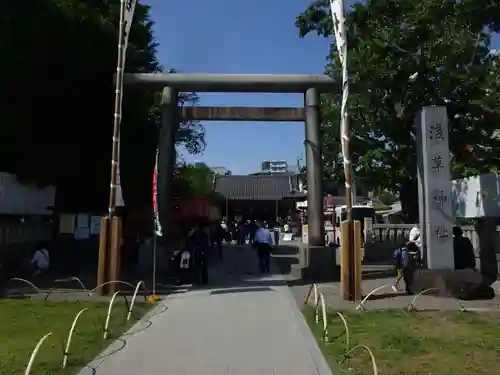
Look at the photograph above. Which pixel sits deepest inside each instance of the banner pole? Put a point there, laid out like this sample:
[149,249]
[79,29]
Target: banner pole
[154,259]
[339,26]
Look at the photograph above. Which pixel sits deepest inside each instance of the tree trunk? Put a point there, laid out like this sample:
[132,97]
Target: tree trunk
[488,248]
[408,196]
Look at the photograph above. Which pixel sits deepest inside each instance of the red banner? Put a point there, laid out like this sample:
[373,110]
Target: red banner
[155,202]
[190,208]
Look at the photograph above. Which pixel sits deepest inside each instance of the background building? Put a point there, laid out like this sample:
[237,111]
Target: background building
[260,196]
[276,167]
[221,171]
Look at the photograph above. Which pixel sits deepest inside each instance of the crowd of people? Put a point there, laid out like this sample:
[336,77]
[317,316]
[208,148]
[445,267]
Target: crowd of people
[243,231]
[204,243]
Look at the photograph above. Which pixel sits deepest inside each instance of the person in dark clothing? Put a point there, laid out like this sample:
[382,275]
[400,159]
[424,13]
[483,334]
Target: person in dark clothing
[410,261]
[241,233]
[463,251]
[252,228]
[219,236]
[199,242]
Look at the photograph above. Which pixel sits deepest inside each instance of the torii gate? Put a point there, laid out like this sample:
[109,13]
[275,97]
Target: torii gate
[172,115]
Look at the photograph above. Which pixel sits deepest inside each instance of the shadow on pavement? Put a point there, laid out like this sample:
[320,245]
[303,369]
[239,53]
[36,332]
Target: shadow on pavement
[239,269]
[243,290]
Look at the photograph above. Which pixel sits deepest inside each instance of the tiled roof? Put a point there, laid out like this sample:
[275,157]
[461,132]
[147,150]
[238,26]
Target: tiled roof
[258,187]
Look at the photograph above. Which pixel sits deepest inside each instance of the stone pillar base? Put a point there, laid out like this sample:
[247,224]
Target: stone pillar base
[316,263]
[462,284]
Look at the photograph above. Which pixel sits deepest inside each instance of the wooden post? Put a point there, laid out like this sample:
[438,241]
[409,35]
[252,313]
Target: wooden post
[102,269]
[350,292]
[120,244]
[344,260]
[358,251]
[114,252]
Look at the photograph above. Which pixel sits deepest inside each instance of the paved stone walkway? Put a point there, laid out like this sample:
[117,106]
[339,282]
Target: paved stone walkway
[243,324]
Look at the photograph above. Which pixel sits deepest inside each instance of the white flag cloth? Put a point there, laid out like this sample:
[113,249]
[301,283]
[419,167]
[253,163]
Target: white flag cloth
[129,16]
[339,27]
[337,8]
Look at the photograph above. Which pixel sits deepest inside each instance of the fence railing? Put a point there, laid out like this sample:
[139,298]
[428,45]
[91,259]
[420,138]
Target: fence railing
[380,240]
[16,232]
[398,233]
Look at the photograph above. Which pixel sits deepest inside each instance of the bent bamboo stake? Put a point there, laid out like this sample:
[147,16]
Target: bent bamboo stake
[111,282]
[314,290]
[26,282]
[411,306]
[133,299]
[361,304]
[70,334]
[35,352]
[347,339]
[325,318]
[73,278]
[316,312]
[372,357]
[108,316]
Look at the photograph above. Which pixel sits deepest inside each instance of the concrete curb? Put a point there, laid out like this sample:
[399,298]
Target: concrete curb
[314,350]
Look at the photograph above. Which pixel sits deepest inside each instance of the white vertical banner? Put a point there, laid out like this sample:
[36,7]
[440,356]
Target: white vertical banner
[337,9]
[128,13]
[339,27]
[129,16]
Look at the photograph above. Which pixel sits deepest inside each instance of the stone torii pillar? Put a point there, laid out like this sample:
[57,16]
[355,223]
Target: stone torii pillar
[314,155]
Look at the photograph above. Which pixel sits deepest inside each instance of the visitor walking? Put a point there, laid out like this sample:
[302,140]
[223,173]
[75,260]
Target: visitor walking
[398,264]
[463,250]
[199,243]
[263,243]
[411,260]
[41,260]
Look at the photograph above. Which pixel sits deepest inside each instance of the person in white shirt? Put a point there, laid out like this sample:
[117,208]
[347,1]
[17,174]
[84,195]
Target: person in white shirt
[263,243]
[41,260]
[224,226]
[415,236]
[225,231]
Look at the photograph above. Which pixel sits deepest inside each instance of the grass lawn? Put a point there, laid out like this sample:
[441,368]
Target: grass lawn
[424,343]
[23,323]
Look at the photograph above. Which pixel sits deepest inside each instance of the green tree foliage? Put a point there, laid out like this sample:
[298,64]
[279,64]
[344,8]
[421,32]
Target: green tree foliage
[444,46]
[57,96]
[386,197]
[194,180]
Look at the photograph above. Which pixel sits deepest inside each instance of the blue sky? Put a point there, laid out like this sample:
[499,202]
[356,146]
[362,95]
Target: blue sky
[224,36]
[257,36]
